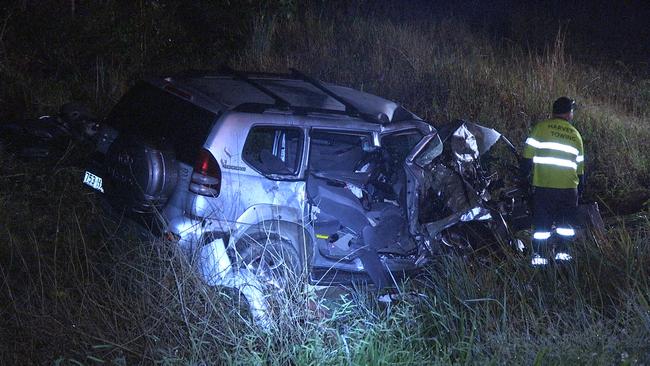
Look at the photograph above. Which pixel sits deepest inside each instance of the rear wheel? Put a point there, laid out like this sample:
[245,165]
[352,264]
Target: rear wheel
[273,255]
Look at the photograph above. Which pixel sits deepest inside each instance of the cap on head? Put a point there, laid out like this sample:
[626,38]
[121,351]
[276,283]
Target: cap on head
[563,105]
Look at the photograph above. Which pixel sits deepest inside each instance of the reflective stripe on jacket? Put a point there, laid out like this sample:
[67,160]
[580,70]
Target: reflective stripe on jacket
[555,147]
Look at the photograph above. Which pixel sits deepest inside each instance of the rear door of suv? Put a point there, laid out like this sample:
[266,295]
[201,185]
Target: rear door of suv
[150,117]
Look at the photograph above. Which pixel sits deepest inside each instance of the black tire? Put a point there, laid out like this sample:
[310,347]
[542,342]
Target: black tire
[141,176]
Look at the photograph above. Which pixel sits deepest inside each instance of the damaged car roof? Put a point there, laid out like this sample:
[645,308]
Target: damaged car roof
[219,92]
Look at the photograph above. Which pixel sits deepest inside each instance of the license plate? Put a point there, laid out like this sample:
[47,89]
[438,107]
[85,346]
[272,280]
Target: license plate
[94,181]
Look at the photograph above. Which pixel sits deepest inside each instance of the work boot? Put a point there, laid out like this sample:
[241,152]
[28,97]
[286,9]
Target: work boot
[565,237]
[563,257]
[540,248]
[538,261]
[565,234]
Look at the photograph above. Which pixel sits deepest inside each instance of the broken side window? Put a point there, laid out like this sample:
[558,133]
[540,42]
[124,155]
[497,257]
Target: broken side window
[390,183]
[399,145]
[429,152]
[274,150]
[332,151]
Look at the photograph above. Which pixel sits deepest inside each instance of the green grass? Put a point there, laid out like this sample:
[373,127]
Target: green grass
[73,294]
[74,288]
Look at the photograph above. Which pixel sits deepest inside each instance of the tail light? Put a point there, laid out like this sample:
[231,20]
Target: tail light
[206,177]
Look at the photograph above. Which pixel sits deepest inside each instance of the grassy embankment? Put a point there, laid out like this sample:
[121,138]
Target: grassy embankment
[70,293]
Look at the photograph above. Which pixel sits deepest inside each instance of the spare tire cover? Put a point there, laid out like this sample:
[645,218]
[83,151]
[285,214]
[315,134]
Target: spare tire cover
[141,176]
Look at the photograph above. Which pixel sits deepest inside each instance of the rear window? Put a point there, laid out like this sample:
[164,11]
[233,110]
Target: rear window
[163,119]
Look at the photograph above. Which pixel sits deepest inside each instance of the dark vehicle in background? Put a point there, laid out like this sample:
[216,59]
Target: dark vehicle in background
[49,136]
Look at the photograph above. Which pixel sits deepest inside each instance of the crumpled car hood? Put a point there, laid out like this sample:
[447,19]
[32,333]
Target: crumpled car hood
[452,181]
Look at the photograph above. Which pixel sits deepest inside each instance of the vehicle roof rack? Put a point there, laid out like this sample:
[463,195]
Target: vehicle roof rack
[299,110]
[279,101]
[220,72]
[350,108]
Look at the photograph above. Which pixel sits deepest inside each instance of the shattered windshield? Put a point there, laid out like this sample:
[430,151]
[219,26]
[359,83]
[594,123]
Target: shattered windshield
[399,145]
[431,150]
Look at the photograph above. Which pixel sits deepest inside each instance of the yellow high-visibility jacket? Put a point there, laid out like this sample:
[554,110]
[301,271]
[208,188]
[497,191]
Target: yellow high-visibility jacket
[555,147]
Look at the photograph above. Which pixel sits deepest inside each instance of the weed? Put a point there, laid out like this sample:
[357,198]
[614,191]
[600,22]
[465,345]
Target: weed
[77,288]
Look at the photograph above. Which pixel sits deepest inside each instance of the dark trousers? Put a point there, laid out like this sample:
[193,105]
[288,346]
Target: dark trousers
[554,208]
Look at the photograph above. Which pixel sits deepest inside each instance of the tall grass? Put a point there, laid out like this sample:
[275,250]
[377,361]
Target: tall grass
[436,67]
[443,71]
[78,288]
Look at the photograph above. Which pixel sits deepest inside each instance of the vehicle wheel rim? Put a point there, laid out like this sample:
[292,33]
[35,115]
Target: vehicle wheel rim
[269,273]
[273,263]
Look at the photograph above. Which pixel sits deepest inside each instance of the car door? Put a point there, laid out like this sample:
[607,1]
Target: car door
[336,179]
[415,165]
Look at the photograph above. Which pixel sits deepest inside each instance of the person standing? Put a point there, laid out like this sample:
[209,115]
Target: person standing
[554,161]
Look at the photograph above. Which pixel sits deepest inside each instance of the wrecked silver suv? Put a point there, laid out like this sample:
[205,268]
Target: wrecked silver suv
[267,175]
